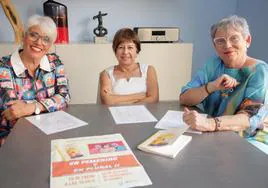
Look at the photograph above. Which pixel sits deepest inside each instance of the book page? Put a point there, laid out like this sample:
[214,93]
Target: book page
[96,161]
[131,114]
[173,119]
[54,122]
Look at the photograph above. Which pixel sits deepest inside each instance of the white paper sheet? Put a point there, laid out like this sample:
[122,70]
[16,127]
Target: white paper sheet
[173,119]
[131,114]
[55,122]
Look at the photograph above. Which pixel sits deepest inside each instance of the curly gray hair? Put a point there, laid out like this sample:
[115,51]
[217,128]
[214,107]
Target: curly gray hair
[238,23]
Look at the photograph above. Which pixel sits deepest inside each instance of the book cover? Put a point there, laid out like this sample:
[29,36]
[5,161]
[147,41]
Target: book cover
[96,161]
[167,143]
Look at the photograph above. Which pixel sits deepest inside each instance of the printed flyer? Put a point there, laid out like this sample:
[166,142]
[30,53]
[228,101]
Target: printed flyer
[96,161]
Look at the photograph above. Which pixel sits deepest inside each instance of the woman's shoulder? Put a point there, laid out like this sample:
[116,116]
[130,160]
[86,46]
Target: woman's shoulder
[144,67]
[261,66]
[261,63]
[108,71]
[214,60]
[5,66]
[54,60]
[213,64]
[52,57]
[5,61]
[110,68]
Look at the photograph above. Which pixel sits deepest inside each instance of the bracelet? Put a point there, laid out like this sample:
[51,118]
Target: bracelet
[217,124]
[206,88]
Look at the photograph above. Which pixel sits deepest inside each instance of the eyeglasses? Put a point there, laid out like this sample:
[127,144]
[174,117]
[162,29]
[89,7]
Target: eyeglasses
[222,41]
[34,36]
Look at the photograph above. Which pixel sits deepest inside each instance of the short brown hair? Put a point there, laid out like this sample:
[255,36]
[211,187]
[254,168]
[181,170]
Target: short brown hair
[126,34]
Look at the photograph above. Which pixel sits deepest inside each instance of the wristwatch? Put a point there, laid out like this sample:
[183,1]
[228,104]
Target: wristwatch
[37,109]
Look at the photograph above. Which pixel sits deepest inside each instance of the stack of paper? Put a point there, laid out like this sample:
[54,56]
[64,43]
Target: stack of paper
[55,122]
[131,114]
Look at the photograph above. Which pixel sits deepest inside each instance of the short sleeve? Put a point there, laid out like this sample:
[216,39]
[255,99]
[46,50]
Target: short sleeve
[258,84]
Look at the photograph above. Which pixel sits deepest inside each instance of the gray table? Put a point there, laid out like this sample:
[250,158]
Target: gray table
[210,160]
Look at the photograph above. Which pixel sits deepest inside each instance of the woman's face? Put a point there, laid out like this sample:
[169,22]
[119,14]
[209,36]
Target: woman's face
[126,53]
[231,46]
[36,43]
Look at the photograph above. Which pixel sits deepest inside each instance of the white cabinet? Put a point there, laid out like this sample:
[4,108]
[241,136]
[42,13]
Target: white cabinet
[84,62]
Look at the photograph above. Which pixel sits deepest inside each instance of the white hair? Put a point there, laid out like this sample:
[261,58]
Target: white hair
[46,24]
[238,23]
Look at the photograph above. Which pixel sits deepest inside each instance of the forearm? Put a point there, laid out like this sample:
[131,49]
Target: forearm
[61,97]
[236,122]
[55,103]
[149,99]
[112,99]
[193,96]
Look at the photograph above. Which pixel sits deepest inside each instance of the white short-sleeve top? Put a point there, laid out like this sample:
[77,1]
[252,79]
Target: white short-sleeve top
[134,85]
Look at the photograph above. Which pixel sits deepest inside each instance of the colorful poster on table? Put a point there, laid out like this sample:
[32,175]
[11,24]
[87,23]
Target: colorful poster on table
[97,161]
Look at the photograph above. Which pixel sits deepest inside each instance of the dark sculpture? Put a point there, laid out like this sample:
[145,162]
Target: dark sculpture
[100,31]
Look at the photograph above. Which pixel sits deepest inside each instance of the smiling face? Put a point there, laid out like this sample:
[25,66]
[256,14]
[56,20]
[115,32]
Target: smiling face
[36,43]
[231,46]
[126,53]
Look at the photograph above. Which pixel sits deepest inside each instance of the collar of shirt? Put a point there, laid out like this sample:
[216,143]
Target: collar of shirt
[19,67]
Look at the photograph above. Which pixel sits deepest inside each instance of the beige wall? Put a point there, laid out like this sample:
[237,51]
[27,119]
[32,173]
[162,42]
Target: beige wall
[84,62]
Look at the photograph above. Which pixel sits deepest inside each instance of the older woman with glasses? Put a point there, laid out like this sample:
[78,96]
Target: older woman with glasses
[230,87]
[32,81]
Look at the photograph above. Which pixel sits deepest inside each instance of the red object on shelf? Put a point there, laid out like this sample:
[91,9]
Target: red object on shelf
[58,12]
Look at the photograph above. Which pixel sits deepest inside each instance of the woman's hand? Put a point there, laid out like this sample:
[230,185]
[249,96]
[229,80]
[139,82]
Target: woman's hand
[198,121]
[17,109]
[139,97]
[223,82]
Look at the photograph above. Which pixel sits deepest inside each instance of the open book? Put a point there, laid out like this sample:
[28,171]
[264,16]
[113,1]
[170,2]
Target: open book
[167,143]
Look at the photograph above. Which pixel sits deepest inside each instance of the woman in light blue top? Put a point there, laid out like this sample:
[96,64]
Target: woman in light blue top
[231,87]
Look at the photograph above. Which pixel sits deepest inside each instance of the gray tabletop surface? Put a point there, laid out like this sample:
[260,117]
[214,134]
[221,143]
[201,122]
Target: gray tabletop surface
[210,160]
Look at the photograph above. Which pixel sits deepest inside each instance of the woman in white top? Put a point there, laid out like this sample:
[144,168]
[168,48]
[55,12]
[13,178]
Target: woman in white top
[128,82]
